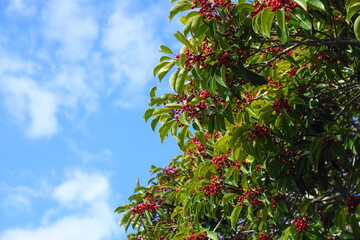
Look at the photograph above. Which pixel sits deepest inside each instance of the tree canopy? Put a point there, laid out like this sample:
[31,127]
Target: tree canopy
[265,110]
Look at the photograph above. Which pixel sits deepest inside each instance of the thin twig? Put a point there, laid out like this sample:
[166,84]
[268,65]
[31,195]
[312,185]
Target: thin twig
[342,110]
[267,63]
[218,224]
[319,42]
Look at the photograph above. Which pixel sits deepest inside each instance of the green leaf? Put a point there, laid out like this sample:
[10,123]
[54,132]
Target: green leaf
[148,113]
[195,24]
[240,71]
[165,128]
[160,111]
[183,118]
[181,136]
[165,49]
[173,78]
[154,122]
[161,214]
[286,234]
[352,11]
[255,23]
[212,235]
[354,222]
[220,144]
[347,235]
[219,78]
[159,67]
[165,69]
[235,216]
[282,206]
[340,217]
[301,17]
[181,81]
[357,28]
[165,58]
[173,106]
[304,206]
[156,101]
[267,17]
[297,100]
[153,91]
[179,7]
[316,4]
[244,183]
[283,34]
[314,235]
[349,3]
[122,208]
[228,197]
[301,3]
[179,36]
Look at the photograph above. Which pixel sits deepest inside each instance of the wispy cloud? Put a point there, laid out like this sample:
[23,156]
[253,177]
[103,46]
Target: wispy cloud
[131,40]
[71,24]
[86,156]
[22,7]
[18,198]
[84,197]
[29,102]
[81,53]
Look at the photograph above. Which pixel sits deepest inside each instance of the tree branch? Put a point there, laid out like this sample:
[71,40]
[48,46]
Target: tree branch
[267,63]
[319,42]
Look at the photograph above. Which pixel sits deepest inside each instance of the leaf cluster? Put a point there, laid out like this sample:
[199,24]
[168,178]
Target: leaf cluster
[265,109]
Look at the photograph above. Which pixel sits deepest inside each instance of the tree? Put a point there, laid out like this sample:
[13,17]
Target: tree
[265,111]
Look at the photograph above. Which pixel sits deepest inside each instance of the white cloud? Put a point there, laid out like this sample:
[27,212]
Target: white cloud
[85,199]
[70,23]
[22,7]
[83,155]
[132,41]
[11,64]
[78,54]
[27,101]
[19,198]
[74,87]
[82,188]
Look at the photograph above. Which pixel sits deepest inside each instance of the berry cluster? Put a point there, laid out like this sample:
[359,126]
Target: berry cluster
[201,149]
[265,237]
[203,56]
[220,160]
[208,9]
[214,187]
[193,58]
[142,207]
[169,170]
[215,134]
[302,223]
[252,196]
[281,103]
[196,104]
[258,132]
[288,156]
[275,199]
[248,97]
[293,71]
[324,56]
[326,142]
[273,83]
[193,110]
[202,236]
[352,202]
[258,168]
[288,5]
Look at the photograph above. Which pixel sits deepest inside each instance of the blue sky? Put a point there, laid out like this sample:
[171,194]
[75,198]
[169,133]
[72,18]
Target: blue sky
[74,83]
